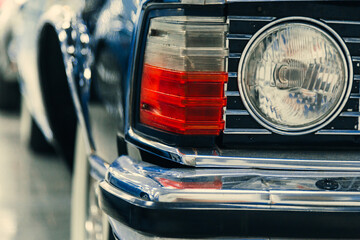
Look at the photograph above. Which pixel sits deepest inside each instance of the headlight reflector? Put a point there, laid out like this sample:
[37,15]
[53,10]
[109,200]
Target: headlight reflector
[293,77]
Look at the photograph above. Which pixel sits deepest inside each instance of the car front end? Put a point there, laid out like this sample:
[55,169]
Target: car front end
[242,120]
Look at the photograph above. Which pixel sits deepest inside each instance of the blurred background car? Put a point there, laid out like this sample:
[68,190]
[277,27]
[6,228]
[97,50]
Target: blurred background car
[53,52]
[9,22]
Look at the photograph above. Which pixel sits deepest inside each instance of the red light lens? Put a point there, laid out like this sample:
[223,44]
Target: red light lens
[189,103]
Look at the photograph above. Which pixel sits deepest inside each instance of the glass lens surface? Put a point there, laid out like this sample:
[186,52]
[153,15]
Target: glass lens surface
[293,76]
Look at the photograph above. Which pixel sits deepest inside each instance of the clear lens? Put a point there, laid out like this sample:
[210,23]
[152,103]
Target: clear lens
[187,43]
[293,76]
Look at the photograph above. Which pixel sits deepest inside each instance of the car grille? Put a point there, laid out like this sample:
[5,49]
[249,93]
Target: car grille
[240,122]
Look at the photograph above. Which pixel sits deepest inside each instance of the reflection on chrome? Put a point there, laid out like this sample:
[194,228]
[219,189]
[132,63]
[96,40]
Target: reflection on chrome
[238,187]
[263,159]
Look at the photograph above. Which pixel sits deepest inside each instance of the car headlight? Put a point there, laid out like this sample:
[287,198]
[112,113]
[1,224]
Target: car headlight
[294,76]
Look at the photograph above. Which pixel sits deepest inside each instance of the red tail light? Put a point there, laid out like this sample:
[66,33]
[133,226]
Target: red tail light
[182,88]
[183,102]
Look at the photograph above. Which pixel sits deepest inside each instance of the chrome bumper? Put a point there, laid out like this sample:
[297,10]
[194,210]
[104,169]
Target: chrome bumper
[231,202]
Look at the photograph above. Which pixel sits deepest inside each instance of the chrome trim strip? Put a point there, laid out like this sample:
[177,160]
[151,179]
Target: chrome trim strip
[246,131]
[167,151]
[352,40]
[356,77]
[219,159]
[350,114]
[236,112]
[232,94]
[238,36]
[288,190]
[250,18]
[350,204]
[232,74]
[340,22]
[234,55]
[355,96]
[338,132]
[203,2]
[355,59]
[277,163]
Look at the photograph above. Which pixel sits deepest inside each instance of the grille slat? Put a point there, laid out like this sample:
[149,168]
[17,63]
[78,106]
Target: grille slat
[353,96]
[237,94]
[246,131]
[239,121]
[232,74]
[352,40]
[237,112]
[350,114]
[235,55]
[239,36]
[338,132]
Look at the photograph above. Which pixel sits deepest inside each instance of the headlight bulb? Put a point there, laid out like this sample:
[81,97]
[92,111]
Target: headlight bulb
[289,74]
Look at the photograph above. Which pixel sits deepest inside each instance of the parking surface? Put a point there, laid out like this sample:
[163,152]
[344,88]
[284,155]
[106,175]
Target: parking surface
[34,189]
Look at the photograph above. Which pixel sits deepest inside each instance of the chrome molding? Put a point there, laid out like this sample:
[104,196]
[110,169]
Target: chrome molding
[326,161]
[233,74]
[172,153]
[355,59]
[239,36]
[340,22]
[355,95]
[277,163]
[236,112]
[251,200]
[251,18]
[338,132]
[232,94]
[350,114]
[203,2]
[234,55]
[352,40]
[246,131]
[287,190]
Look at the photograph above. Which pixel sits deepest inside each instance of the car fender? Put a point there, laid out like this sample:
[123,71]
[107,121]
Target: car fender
[74,41]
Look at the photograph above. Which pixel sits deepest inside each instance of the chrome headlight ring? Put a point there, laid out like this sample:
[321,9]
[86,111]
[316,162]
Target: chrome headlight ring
[331,111]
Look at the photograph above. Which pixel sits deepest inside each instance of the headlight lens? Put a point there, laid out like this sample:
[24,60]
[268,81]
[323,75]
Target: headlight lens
[293,77]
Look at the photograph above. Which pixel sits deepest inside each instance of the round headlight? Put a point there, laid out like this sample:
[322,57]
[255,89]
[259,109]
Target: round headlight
[294,76]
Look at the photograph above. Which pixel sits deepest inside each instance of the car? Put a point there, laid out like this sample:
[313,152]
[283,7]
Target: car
[200,119]
[9,90]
